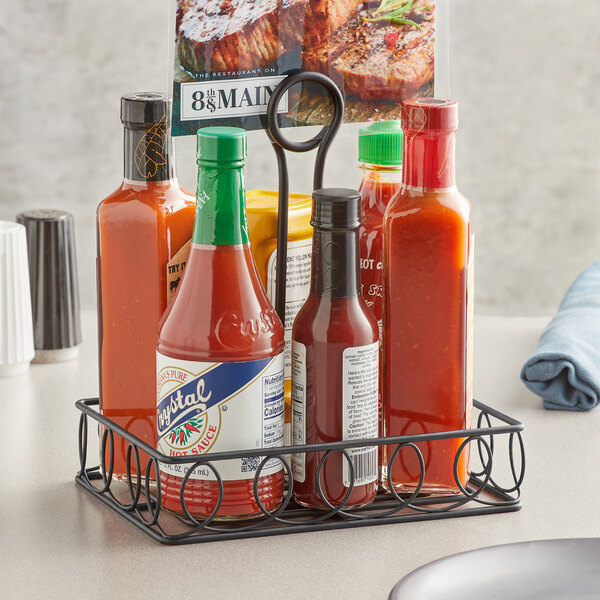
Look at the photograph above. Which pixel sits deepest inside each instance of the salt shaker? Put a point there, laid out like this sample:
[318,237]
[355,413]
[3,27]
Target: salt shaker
[16,331]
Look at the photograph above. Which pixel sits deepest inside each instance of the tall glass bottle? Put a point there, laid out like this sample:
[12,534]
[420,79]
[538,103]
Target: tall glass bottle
[140,227]
[380,155]
[220,350]
[335,369]
[428,303]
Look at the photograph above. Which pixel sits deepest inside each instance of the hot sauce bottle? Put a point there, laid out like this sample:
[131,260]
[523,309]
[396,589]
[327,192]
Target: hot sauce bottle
[428,303]
[220,351]
[335,350]
[140,227]
[380,155]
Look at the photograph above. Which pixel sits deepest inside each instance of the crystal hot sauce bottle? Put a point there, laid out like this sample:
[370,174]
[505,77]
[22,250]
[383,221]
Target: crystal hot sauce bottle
[428,303]
[220,351]
[335,370]
[140,227]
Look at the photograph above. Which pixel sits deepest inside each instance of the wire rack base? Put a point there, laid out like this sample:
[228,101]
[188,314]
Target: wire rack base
[138,499]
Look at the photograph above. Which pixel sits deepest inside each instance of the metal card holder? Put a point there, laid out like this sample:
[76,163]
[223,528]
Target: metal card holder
[138,498]
[280,143]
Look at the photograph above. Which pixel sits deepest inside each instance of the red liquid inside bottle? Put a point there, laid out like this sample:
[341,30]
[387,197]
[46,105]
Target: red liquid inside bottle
[380,152]
[140,227]
[427,385]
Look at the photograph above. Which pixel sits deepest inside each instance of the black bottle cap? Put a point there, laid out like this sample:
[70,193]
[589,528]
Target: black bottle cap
[144,109]
[336,208]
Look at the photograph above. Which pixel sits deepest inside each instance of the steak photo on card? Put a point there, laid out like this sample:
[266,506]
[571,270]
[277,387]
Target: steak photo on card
[230,55]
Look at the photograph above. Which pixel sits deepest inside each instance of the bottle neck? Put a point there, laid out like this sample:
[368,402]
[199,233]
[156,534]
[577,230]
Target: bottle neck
[220,205]
[377,187]
[335,263]
[429,159]
[147,154]
[380,174]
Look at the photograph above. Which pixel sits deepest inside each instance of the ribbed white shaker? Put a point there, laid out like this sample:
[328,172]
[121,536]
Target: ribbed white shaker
[16,326]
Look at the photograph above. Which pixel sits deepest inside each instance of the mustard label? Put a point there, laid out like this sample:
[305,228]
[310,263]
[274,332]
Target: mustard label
[299,255]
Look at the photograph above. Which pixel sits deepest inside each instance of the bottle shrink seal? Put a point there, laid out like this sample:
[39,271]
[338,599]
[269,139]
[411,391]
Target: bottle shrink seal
[336,208]
[145,109]
[429,114]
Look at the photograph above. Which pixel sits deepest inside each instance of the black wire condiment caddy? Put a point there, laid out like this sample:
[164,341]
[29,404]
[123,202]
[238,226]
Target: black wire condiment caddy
[138,497]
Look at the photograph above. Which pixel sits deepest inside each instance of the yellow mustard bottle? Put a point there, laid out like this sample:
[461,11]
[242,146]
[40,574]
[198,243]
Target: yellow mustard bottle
[261,209]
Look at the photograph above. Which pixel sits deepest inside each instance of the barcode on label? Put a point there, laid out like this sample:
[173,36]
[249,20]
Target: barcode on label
[251,463]
[365,466]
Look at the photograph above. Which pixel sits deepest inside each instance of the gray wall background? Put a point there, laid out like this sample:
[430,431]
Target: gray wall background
[527,80]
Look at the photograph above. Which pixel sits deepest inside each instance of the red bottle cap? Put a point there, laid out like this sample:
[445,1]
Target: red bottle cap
[429,114]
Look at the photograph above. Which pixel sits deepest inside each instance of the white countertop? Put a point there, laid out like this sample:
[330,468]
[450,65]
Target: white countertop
[57,541]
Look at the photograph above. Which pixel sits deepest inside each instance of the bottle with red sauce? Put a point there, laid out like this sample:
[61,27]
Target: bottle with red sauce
[380,155]
[335,371]
[428,304]
[140,227]
[220,352]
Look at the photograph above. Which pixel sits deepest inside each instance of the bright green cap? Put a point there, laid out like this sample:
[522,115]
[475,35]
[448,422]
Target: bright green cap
[221,145]
[381,143]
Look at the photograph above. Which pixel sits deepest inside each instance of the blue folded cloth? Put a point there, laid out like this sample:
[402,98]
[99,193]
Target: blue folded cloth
[565,367]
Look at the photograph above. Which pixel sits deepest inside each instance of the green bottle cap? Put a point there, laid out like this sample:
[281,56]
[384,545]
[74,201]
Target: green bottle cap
[381,143]
[221,145]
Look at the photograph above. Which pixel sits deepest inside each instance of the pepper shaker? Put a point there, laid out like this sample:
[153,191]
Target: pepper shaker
[54,286]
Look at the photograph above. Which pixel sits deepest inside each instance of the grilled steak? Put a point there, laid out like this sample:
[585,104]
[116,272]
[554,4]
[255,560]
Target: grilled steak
[183,6]
[231,35]
[376,60]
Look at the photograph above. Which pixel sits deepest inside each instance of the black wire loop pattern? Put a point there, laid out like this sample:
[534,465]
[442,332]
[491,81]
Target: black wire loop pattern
[495,446]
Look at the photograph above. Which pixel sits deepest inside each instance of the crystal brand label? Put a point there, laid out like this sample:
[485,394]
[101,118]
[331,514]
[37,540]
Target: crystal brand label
[238,98]
[218,407]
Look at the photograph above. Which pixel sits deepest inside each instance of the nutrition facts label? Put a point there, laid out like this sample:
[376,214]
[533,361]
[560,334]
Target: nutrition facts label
[360,409]
[299,255]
